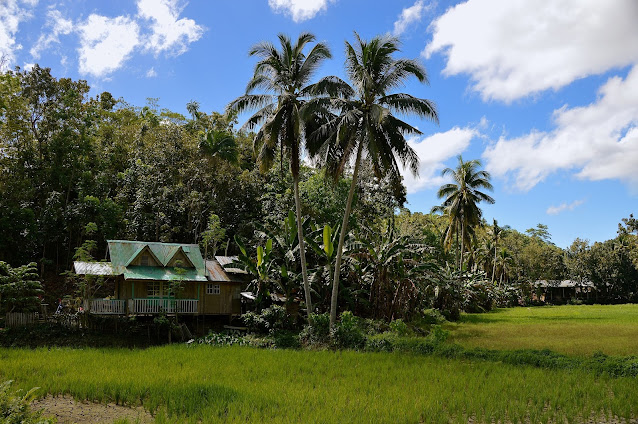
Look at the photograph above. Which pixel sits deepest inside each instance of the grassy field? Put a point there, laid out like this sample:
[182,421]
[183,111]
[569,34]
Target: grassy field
[572,330]
[240,384]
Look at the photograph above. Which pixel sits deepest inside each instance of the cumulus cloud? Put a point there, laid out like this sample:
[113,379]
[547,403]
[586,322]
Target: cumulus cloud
[12,13]
[106,43]
[151,73]
[515,48]
[299,10]
[555,210]
[169,33]
[598,141]
[57,25]
[433,151]
[410,15]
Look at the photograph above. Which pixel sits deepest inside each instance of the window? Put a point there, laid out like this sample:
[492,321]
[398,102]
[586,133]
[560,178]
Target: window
[237,292]
[213,289]
[153,289]
[145,261]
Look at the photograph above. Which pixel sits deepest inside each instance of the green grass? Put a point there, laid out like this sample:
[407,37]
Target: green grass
[572,330]
[241,384]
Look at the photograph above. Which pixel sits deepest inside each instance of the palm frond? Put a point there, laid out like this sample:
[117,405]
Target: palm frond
[407,104]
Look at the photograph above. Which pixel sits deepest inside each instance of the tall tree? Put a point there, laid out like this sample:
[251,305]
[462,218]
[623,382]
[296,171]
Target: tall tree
[364,125]
[462,197]
[283,74]
[496,233]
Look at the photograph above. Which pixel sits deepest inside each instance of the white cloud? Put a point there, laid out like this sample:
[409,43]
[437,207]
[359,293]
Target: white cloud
[433,151]
[410,15]
[555,210]
[106,43]
[515,48]
[58,25]
[151,73]
[12,13]
[598,141]
[299,10]
[168,32]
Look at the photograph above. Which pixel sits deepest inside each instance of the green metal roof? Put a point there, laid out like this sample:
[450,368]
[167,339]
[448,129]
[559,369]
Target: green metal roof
[122,252]
[162,274]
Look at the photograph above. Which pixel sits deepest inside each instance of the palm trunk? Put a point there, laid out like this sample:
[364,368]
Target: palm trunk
[302,247]
[494,267]
[462,243]
[458,261]
[342,237]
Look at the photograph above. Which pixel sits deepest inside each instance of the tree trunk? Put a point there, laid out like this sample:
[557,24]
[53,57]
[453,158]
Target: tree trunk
[494,265]
[462,243]
[302,247]
[458,261]
[342,237]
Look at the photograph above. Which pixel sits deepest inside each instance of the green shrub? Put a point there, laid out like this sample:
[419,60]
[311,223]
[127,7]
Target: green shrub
[269,320]
[374,326]
[222,339]
[14,407]
[347,333]
[432,316]
[286,339]
[381,342]
[401,328]
[317,332]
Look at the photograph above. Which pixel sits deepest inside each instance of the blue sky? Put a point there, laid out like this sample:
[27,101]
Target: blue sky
[544,92]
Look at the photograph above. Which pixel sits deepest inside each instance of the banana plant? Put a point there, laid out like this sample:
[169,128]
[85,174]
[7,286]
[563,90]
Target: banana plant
[287,277]
[323,242]
[261,267]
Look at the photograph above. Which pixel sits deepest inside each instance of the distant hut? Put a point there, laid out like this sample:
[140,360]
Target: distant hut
[557,291]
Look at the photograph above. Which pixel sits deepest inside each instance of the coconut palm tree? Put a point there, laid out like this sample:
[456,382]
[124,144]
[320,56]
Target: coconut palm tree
[364,125]
[283,74]
[505,261]
[461,200]
[221,145]
[496,233]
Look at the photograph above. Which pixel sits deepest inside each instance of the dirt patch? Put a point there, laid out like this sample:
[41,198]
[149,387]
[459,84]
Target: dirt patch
[69,411]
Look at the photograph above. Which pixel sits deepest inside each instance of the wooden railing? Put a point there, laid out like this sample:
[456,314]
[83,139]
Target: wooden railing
[168,306]
[20,319]
[108,307]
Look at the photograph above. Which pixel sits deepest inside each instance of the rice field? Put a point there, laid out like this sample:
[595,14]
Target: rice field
[182,384]
[570,329]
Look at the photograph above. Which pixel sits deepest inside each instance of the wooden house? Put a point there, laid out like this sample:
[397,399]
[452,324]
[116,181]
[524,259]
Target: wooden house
[155,278]
[555,291]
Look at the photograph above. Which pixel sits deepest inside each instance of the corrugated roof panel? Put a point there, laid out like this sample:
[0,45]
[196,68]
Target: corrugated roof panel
[161,274]
[123,251]
[216,271]
[93,268]
[226,261]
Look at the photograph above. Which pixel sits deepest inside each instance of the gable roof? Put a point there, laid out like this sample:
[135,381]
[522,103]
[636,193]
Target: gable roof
[177,252]
[138,252]
[122,252]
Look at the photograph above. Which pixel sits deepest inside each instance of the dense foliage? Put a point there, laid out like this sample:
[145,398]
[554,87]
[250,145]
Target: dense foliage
[77,170]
